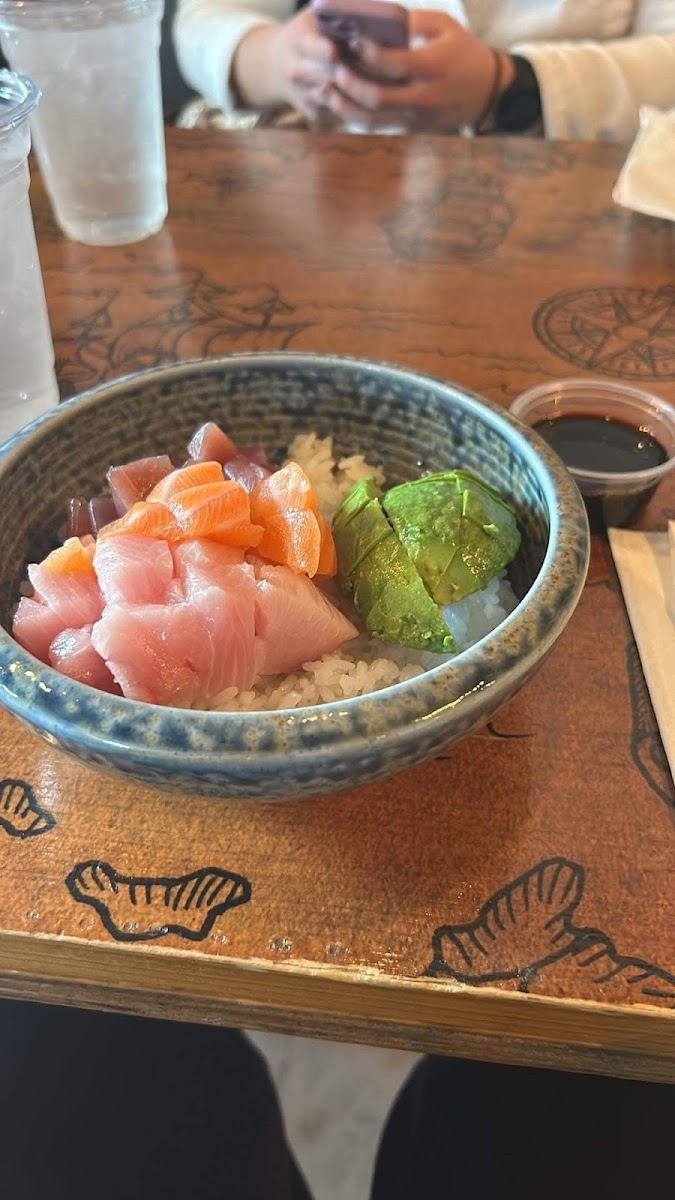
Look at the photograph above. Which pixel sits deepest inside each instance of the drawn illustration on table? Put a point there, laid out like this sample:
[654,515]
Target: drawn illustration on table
[189,315]
[138,908]
[20,814]
[464,218]
[646,746]
[624,331]
[525,931]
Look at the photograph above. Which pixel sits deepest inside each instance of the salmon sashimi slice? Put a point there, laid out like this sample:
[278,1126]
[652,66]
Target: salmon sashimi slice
[132,482]
[145,519]
[285,504]
[202,563]
[210,443]
[73,654]
[66,581]
[295,623]
[35,626]
[136,570]
[220,511]
[328,563]
[193,475]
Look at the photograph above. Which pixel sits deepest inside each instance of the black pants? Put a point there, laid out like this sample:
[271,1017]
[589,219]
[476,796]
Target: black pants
[97,1107]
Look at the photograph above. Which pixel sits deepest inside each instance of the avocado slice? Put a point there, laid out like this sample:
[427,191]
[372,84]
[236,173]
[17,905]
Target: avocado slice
[375,569]
[458,531]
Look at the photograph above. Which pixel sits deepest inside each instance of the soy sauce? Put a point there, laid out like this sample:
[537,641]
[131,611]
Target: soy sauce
[609,447]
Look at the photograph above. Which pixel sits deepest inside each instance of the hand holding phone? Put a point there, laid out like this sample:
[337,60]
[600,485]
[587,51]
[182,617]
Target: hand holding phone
[348,22]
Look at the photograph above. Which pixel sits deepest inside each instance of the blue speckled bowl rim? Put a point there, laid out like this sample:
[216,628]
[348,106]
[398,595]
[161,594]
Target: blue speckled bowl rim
[568,538]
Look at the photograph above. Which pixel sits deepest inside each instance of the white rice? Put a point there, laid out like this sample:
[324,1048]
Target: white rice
[365,664]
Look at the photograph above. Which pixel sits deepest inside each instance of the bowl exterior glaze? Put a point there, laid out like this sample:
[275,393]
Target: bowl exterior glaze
[408,422]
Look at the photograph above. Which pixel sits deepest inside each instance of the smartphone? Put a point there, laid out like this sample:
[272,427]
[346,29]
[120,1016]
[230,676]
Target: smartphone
[346,22]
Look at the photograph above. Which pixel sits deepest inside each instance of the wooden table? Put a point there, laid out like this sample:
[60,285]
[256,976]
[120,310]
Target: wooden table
[512,900]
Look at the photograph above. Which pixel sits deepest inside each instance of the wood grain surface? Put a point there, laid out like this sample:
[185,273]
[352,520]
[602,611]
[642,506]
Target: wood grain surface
[512,900]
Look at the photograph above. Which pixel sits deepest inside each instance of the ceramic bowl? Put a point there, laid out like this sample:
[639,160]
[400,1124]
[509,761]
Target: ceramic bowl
[408,422]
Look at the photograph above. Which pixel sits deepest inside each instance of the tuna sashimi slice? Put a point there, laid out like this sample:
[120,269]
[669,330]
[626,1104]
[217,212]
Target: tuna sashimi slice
[295,623]
[133,481]
[245,472]
[67,582]
[102,512]
[148,648]
[135,570]
[202,563]
[35,627]
[73,654]
[211,444]
[78,519]
[257,454]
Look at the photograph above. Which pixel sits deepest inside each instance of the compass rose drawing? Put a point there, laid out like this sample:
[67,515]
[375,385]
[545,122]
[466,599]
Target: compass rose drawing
[617,331]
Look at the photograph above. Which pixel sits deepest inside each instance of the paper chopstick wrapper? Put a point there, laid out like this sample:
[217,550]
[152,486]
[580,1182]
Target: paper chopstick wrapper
[647,180]
[645,563]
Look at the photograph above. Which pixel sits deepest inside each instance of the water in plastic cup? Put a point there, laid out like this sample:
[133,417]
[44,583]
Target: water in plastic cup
[27,382]
[99,132]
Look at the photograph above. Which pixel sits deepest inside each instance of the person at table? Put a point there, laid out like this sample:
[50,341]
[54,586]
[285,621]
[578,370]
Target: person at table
[570,69]
[96,1106]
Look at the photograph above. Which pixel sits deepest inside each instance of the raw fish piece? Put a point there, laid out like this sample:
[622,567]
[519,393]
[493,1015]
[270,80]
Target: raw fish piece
[202,563]
[216,510]
[78,520]
[193,474]
[133,481]
[285,505]
[73,654]
[226,656]
[183,654]
[258,455]
[145,519]
[35,627]
[294,622]
[210,444]
[135,570]
[147,649]
[102,512]
[245,472]
[67,582]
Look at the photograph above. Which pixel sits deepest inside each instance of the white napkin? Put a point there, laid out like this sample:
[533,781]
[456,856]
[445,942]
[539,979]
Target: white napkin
[646,566]
[647,180]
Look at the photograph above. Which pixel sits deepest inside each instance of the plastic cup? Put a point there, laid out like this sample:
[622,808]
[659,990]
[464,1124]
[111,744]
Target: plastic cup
[27,381]
[99,132]
[611,498]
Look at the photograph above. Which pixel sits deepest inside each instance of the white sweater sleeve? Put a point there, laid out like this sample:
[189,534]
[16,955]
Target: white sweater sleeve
[206,34]
[594,90]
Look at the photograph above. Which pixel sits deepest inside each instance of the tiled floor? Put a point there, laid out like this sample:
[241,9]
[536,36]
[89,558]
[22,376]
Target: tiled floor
[335,1100]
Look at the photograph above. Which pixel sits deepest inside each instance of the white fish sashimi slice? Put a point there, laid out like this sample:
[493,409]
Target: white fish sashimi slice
[134,570]
[225,654]
[35,627]
[76,598]
[73,654]
[294,622]
[201,563]
[148,648]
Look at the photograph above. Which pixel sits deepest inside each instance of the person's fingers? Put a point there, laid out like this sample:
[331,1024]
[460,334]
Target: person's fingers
[317,48]
[426,24]
[351,113]
[305,73]
[374,96]
[392,65]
